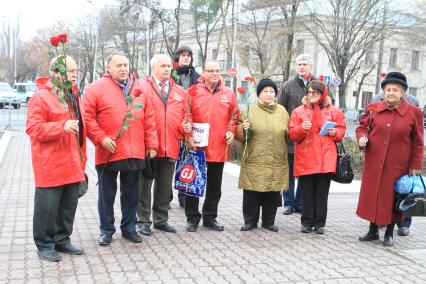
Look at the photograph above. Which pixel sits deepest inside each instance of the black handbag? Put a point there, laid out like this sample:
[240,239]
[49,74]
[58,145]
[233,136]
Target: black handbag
[411,204]
[149,172]
[83,186]
[344,173]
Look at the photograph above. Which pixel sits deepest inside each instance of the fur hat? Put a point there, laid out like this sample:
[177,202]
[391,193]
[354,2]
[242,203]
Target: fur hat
[396,78]
[266,83]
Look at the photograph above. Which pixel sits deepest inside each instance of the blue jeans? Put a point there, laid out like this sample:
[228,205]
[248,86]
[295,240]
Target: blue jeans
[406,223]
[288,197]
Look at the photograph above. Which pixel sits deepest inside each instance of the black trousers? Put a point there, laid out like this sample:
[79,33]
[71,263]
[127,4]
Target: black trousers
[213,194]
[129,193]
[315,190]
[252,200]
[54,212]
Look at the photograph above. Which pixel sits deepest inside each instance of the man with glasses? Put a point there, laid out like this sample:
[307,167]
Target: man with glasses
[215,104]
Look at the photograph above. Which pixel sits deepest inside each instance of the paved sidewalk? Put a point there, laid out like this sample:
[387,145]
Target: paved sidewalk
[258,256]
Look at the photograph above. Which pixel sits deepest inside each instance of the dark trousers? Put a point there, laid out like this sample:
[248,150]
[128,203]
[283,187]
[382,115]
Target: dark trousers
[315,190]
[162,190]
[252,200]
[213,194]
[54,212]
[406,223]
[129,193]
[288,197]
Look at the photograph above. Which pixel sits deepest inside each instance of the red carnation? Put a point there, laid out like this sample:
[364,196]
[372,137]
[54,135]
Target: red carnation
[383,74]
[63,38]
[250,79]
[241,90]
[321,77]
[137,93]
[307,77]
[54,40]
[74,89]
[175,65]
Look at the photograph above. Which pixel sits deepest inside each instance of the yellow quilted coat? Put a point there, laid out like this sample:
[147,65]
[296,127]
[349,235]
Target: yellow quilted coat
[264,161]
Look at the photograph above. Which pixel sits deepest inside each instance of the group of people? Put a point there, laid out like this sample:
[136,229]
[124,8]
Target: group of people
[138,124]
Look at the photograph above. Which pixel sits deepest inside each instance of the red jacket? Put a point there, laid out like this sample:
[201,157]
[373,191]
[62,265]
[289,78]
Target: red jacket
[220,110]
[395,145]
[169,117]
[314,154]
[55,153]
[105,107]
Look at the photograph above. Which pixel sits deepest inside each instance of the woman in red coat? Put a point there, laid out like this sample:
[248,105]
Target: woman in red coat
[315,155]
[391,132]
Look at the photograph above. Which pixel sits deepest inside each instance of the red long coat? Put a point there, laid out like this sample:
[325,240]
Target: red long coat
[55,155]
[395,145]
[169,117]
[220,110]
[105,107]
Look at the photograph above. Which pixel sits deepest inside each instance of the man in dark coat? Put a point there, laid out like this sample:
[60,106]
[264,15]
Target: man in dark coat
[184,75]
[290,97]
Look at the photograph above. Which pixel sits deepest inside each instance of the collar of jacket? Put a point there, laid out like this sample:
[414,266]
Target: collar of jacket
[268,108]
[401,109]
[218,87]
[151,80]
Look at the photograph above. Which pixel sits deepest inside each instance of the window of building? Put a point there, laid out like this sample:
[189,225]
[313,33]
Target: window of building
[300,46]
[393,57]
[415,57]
[412,91]
[369,57]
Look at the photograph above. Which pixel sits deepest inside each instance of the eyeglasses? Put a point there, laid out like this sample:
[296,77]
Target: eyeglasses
[315,92]
[212,70]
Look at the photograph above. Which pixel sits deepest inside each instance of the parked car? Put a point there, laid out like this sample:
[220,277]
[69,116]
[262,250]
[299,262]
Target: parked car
[25,90]
[9,96]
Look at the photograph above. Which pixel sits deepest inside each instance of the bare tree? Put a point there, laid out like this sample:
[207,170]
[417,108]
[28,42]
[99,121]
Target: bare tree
[346,30]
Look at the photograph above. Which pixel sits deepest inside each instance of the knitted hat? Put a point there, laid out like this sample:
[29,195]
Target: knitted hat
[396,78]
[266,83]
[319,86]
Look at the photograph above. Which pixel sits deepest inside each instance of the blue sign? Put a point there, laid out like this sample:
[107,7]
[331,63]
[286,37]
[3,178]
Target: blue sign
[337,81]
[327,80]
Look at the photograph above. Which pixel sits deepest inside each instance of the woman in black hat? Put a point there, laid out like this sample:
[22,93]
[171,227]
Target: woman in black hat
[391,132]
[263,129]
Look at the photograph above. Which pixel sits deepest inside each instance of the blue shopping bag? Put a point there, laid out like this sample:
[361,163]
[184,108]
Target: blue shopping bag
[409,184]
[191,172]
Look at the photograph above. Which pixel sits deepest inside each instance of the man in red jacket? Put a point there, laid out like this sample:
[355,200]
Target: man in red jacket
[58,142]
[173,121]
[215,104]
[121,124]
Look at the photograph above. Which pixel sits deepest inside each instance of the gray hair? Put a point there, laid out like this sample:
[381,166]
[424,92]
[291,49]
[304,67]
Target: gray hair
[210,61]
[115,53]
[155,58]
[305,56]
[55,60]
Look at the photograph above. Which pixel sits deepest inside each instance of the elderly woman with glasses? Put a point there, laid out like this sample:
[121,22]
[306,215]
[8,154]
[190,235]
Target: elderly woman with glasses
[315,154]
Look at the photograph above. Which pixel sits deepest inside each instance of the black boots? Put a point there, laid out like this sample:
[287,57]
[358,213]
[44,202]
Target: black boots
[388,241]
[372,235]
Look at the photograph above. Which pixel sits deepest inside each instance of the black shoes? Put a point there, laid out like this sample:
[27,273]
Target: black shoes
[388,241]
[213,225]
[272,228]
[248,227]
[191,227]
[403,231]
[319,230]
[132,237]
[49,255]
[145,230]
[288,210]
[165,227]
[370,236]
[306,229]
[105,240]
[70,249]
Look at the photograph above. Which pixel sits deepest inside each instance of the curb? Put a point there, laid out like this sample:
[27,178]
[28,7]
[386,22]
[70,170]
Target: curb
[354,187]
[4,142]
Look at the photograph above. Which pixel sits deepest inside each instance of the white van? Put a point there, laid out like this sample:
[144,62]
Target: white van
[25,90]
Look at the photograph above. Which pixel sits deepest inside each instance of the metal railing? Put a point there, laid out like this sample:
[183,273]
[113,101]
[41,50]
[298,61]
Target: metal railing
[11,117]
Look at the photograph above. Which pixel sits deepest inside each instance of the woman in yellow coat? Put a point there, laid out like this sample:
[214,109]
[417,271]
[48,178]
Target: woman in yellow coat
[263,130]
